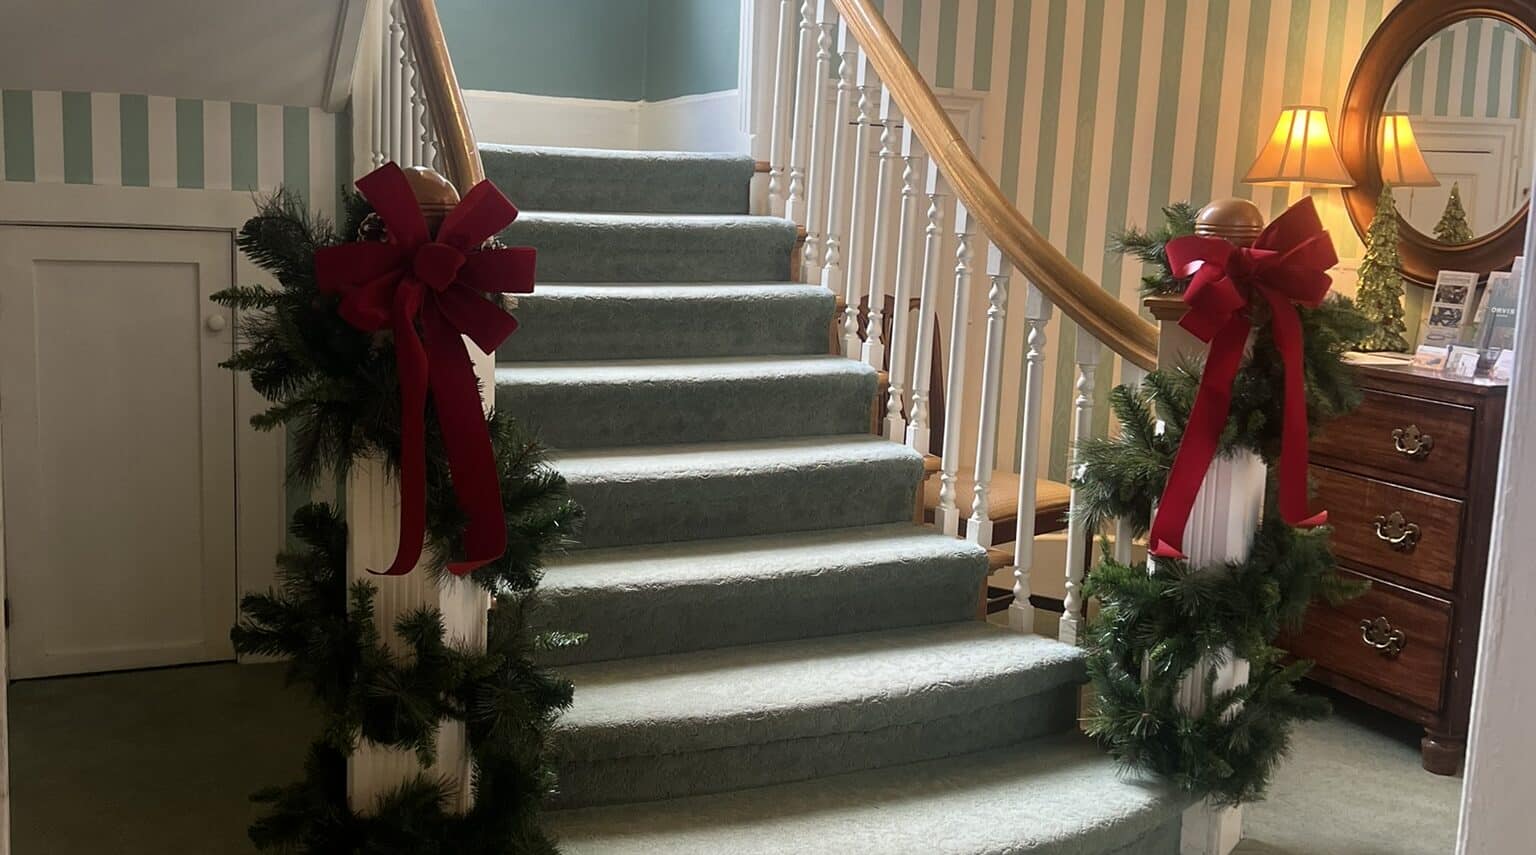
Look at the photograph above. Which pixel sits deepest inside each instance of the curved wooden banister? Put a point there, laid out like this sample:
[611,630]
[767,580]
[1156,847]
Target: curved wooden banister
[445,101]
[1090,306]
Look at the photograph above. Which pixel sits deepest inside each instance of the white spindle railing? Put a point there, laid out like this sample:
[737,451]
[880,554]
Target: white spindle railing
[784,112]
[979,528]
[881,221]
[908,281]
[399,126]
[887,215]
[820,90]
[948,513]
[840,184]
[1079,541]
[1037,316]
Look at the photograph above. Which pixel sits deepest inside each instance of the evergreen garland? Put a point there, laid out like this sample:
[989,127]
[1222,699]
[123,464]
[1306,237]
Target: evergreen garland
[335,390]
[1153,628]
[1150,246]
[1380,292]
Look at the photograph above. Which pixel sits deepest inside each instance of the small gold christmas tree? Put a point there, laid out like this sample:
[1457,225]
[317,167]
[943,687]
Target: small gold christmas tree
[1453,227]
[1380,293]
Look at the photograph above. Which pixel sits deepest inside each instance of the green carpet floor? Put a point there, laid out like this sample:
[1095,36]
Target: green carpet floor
[156,762]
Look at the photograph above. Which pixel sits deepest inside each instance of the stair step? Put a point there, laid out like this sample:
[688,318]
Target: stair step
[736,717]
[585,179]
[656,494]
[675,597]
[586,247]
[649,401]
[1058,795]
[641,321]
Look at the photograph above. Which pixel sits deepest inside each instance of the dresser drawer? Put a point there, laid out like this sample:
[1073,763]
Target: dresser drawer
[1408,532]
[1420,626]
[1395,436]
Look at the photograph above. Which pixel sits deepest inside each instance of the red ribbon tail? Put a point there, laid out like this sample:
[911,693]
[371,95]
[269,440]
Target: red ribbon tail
[467,442]
[1201,438]
[411,365]
[1292,467]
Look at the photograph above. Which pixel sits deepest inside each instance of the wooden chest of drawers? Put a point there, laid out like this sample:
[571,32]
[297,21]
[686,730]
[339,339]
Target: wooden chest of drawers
[1408,481]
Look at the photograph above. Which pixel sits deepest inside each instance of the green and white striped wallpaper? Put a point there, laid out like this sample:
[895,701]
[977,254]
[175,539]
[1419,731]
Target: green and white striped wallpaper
[1099,112]
[151,141]
[1474,69]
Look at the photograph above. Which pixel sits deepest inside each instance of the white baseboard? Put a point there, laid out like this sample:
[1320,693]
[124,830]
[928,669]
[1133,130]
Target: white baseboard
[708,122]
[516,119]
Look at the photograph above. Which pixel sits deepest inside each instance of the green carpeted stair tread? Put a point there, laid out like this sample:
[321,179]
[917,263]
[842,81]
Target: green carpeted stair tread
[596,247]
[645,321]
[650,401]
[1058,795]
[662,493]
[673,597]
[735,717]
[584,179]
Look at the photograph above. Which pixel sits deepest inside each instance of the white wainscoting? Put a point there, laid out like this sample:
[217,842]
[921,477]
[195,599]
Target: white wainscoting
[707,122]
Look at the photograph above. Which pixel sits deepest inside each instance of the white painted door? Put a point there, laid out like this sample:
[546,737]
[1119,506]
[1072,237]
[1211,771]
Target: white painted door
[119,447]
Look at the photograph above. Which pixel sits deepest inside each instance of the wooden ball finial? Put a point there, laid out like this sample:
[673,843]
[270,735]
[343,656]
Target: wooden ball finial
[434,193]
[1235,220]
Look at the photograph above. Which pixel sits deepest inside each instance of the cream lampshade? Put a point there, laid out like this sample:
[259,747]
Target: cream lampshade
[1300,151]
[1402,164]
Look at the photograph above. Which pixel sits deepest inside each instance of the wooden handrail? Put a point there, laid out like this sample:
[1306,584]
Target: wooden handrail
[1090,306]
[445,101]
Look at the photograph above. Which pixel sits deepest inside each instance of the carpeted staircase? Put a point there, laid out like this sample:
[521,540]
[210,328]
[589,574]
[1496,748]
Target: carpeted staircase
[779,660]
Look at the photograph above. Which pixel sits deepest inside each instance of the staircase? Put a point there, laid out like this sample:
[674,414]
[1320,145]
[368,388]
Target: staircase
[779,660]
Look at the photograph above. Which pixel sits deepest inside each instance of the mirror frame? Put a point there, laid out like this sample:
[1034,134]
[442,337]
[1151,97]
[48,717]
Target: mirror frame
[1399,37]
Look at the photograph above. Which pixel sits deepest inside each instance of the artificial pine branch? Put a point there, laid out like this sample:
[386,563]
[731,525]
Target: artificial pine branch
[1150,247]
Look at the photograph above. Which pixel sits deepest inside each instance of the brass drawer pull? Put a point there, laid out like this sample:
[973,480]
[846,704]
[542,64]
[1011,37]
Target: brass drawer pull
[1380,635]
[1412,442]
[1397,532]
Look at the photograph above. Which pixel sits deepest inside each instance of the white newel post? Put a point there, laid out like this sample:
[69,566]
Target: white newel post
[947,516]
[1221,526]
[1037,316]
[373,527]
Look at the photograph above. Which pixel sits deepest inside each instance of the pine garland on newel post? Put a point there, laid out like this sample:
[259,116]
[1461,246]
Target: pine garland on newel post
[1212,451]
[406,616]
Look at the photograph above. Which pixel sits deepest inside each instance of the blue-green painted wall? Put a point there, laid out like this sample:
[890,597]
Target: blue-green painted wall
[691,47]
[614,50]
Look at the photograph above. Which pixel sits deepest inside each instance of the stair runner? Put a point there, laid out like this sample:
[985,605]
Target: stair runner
[779,660]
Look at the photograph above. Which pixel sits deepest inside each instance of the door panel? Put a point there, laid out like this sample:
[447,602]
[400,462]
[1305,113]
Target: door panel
[118,447]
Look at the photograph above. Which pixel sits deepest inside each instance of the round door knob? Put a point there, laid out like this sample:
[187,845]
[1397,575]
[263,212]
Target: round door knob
[215,323]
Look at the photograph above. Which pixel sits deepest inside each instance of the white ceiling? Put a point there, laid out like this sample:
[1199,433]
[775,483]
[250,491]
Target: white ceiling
[262,51]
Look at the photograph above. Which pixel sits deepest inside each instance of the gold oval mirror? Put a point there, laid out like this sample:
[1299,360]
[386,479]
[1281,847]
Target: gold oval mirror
[1439,107]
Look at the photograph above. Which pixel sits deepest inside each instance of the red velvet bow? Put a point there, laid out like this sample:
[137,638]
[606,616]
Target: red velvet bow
[441,282]
[1288,264]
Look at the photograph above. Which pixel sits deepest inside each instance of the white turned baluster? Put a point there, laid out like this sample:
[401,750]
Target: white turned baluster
[839,187]
[936,189]
[379,40]
[405,127]
[393,52]
[419,124]
[1078,535]
[817,181]
[948,515]
[806,90]
[887,216]
[979,528]
[908,269]
[1130,375]
[861,218]
[783,110]
[1037,316]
